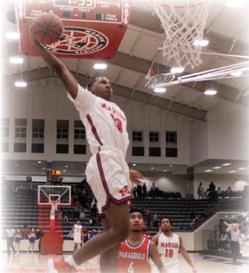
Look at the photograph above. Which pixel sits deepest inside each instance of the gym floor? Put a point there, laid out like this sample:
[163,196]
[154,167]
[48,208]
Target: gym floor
[36,263]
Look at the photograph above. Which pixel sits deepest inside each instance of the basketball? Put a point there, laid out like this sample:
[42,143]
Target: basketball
[46,28]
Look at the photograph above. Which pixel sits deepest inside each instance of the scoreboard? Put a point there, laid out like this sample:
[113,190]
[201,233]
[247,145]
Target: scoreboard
[92,28]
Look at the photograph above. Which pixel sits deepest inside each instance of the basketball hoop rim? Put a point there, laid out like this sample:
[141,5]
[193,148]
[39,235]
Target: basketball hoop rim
[185,6]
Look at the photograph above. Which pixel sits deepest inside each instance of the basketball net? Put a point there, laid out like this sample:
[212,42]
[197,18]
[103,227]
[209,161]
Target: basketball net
[183,23]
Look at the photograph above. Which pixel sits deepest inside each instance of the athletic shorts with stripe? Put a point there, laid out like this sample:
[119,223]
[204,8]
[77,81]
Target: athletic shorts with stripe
[108,176]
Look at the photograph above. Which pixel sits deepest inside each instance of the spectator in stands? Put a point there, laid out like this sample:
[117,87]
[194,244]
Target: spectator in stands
[39,235]
[212,186]
[223,241]
[211,192]
[65,216]
[139,192]
[10,234]
[134,191]
[25,232]
[32,238]
[155,220]
[17,239]
[144,191]
[229,192]
[220,192]
[147,218]
[60,216]
[200,191]
[85,235]
[234,231]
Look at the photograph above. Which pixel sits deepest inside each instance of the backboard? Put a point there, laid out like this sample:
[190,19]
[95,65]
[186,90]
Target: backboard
[48,193]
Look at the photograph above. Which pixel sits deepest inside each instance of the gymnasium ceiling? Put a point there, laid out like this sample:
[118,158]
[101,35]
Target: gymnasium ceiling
[227,30]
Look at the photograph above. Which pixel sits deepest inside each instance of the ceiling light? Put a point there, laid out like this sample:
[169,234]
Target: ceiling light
[16,60]
[216,167]
[232,171]
[152,168]
[210,92]
[12,36]
[202,43]
[100,66]
[165,171]
[226,164]
[21,84]
[241,169]
[176,70]
[170,166]
[134,164]
[39,162]
[159,90]
[208,171]
[236,73]
[235,3]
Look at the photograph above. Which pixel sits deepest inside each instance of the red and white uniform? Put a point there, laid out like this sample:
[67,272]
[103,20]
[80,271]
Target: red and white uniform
[106,130]
[168,248]
[77,234]
[134,259]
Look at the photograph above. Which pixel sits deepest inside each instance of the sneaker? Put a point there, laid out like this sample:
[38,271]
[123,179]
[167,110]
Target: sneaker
[59,266]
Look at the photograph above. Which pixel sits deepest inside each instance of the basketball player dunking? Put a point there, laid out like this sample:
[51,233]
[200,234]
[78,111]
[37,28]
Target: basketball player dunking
[134,253]
[168,245]
[107,171]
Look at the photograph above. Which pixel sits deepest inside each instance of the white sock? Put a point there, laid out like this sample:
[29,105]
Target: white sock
[70,260]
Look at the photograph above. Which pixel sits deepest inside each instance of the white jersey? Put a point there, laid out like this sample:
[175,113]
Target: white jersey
[168,248]
[105,122]
[77,231]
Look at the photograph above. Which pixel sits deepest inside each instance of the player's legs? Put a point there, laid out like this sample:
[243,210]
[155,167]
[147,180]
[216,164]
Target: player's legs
[108,259]
[118,219]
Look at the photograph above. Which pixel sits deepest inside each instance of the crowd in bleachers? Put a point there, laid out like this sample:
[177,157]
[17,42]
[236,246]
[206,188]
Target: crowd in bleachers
[141,192]
[213,193]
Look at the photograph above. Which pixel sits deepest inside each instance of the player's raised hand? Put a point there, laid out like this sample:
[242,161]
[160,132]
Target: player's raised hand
[136,177]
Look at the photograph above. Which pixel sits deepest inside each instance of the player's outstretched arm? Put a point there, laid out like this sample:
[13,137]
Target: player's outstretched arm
[156,258]
[61,70]
[186,255]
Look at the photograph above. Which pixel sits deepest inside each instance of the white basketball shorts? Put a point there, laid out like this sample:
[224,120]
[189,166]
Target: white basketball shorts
[109,177]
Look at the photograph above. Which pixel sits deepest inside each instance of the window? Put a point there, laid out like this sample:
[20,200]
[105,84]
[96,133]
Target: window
[79,133]
[20,132]
[62,133]
[138,151]
[38,132]
[154,151]
[62,149]
[79,149]
[20,147]
[154,137]
[171,137]
[38,128]
[37,148]
[62,129]
[20,128]
[171,152]
[137,136]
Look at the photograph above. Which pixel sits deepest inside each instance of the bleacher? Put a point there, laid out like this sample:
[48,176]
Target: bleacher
[20,208]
